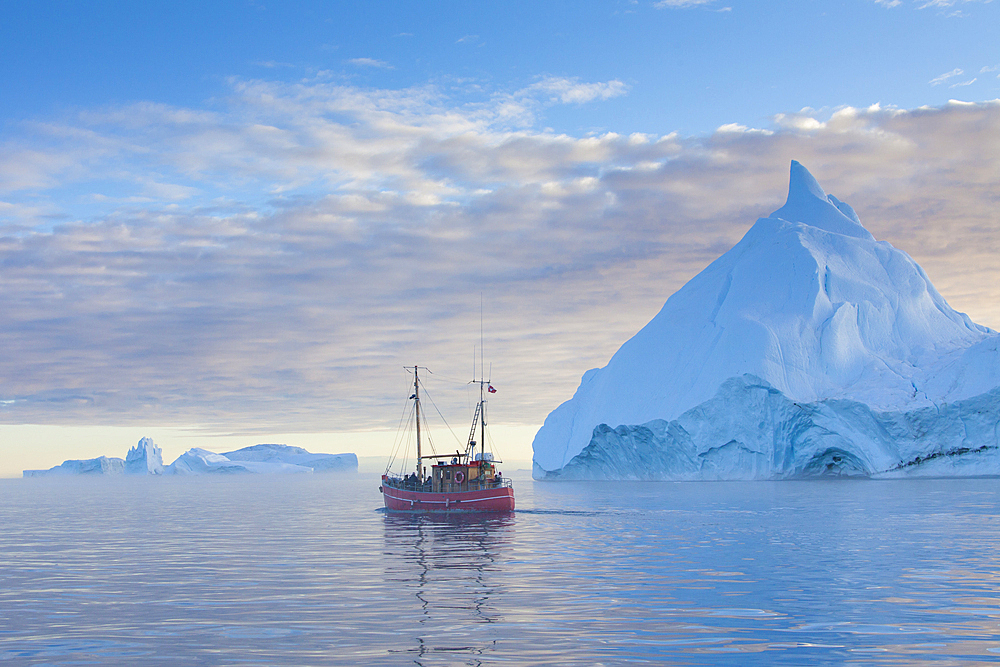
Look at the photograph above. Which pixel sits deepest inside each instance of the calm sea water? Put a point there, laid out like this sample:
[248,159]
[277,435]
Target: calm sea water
[309,571]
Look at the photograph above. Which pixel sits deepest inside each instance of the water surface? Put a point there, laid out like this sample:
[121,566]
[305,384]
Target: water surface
[306,570]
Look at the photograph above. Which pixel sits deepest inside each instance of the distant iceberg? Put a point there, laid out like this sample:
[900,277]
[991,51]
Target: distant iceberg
[147,459]
[102,465]
[197,461]
[144,459]
[260,459]
[807,349]
[296,456]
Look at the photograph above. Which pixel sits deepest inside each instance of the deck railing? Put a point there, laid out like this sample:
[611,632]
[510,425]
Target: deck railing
[425,487]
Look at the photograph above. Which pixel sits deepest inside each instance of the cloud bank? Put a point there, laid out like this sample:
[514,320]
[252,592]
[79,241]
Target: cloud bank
[273,260]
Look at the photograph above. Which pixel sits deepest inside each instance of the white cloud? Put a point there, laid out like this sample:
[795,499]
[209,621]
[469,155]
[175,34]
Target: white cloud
[736,128]
[938,4]
[936,81]
[369,62]
[679,4]
[572,91]
[963,83]
[273,263]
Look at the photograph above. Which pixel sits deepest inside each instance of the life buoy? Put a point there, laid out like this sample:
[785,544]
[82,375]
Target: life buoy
[459,477]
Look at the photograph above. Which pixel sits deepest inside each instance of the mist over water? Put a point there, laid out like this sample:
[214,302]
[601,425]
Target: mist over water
[307,570]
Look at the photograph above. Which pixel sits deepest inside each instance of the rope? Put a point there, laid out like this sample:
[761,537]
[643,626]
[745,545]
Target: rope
[450,429]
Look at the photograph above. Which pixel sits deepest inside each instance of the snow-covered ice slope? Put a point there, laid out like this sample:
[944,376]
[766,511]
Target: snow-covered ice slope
[810,306]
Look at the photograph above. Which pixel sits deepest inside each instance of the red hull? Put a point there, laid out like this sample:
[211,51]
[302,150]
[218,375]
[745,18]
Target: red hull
[500,499]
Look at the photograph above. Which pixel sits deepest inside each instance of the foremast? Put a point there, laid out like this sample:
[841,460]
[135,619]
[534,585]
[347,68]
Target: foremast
[416,403]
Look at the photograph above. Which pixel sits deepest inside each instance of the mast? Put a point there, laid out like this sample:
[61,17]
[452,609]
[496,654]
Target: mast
[482,421]
[416,398]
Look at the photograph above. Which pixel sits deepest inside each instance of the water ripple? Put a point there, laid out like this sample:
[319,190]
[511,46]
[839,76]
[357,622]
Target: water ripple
[271,570]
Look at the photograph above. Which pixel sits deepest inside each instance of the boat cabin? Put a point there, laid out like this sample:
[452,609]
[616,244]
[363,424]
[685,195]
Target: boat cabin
[459,475]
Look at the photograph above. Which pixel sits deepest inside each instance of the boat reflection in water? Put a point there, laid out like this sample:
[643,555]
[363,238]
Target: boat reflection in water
[443,570]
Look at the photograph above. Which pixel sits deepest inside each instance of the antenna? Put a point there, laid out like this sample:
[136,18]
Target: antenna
[482,354]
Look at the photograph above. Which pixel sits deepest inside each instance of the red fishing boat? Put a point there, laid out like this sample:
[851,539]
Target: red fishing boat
[466,481]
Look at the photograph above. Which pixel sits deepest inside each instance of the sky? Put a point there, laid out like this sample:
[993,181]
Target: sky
[236,222]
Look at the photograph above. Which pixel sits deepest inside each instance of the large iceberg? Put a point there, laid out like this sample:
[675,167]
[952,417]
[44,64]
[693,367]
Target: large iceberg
[809,348]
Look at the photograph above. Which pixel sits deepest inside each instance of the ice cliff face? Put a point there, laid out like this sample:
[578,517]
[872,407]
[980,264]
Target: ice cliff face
[808,337]
[144,459]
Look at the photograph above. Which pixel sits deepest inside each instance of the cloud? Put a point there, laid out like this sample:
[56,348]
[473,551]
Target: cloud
[274,262]
[571,91]
[370,62]
[936,81]
[963,83]
[680,4]
[939,4]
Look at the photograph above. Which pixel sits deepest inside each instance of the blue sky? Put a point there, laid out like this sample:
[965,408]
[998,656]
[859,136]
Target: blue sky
[240,221]
[688,66]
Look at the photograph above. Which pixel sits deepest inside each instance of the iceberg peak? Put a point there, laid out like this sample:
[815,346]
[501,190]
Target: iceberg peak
[807,203]
[802,185]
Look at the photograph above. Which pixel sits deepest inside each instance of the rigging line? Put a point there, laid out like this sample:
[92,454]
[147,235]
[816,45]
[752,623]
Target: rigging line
[401,433]
[427,430]
[399,426]
[447,378]
[450,429]
[496,450]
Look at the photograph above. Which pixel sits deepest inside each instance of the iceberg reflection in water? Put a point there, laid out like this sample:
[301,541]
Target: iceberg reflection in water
[306,570]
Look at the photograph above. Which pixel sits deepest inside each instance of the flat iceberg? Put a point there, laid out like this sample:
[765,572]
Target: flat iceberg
[102,465]
[807,349]
[197,461]
[296,456]
[260,459]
